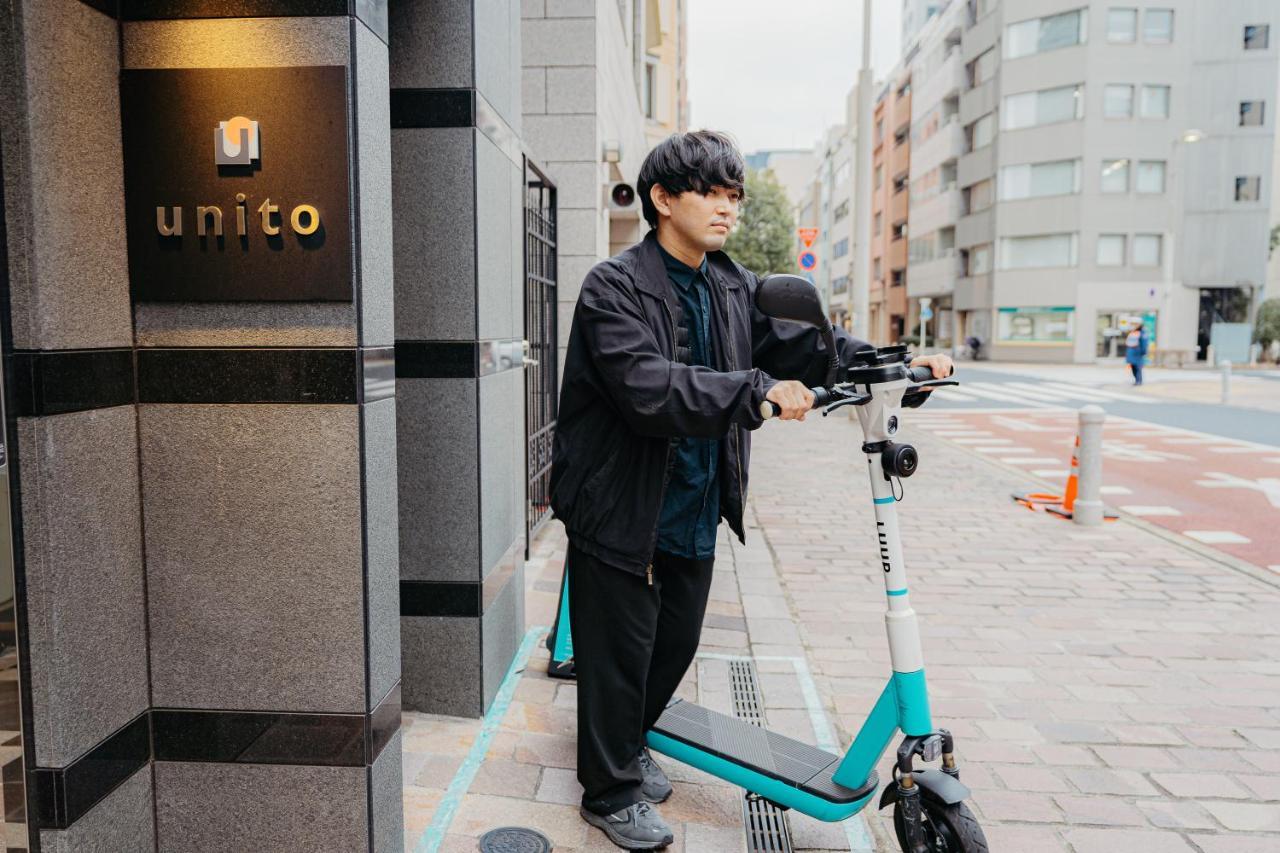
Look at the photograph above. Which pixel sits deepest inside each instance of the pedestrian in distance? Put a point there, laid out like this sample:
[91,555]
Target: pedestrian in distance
[668,363]
[1135,351]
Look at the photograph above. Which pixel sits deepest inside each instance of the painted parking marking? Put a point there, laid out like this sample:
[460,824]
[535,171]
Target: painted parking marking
[1269,486]
[1217,537]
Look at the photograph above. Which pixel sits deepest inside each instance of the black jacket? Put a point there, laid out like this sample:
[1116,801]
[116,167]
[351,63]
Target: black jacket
[626,399]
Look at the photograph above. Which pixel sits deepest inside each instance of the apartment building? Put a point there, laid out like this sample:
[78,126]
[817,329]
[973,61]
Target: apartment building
[664,90]
[937,142]
[890,179]
[1117,165]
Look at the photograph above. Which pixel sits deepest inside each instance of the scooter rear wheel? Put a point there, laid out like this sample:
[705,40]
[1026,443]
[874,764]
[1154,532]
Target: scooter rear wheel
[947,828]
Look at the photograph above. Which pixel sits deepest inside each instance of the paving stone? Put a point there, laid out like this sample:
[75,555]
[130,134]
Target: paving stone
[1113,840]
[1107,811]
[1245,817]
[1190,785]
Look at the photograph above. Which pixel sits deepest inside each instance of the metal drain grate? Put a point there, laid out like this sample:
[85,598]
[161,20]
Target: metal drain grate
[514,839]
[765,823]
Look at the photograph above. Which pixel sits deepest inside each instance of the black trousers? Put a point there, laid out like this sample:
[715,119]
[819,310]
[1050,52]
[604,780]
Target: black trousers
[632,644]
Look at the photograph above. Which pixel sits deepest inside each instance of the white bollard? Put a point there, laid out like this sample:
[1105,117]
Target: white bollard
[1226,381]
[1088,506]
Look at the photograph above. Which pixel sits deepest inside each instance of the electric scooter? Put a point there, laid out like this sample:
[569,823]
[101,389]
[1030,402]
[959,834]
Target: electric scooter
[929,811]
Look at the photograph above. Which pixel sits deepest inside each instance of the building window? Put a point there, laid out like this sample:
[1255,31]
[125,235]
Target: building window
[1111,250]
[1147,249]
[879,179]
[899,231]
[983,68]
[840,284]
[842,210]
[1157,26]
[842,174]
[1248,188]
[1252,113]
[977,260]
[1154,102]
[1042,325]
[879,131]
[922,249]
[1034,180]
[896,278]
[1029,109]
[878,224]
[899,184]
[1122,26]
[1042,34]
[1149,177]
[1257,36]
[981,132]
[1038,252]
[840,248]
[1115,176]
[978,197]
[875,269]
[1117,101]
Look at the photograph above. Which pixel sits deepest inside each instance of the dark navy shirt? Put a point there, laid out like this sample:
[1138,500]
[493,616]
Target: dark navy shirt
[691,508]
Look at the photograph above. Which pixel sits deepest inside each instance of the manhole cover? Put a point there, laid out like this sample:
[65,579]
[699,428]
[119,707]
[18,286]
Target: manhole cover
[514,839]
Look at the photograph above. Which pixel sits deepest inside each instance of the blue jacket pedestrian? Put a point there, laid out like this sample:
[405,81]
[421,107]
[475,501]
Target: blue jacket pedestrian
[1135,352]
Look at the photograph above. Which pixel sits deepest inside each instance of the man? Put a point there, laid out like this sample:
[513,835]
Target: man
[667,365]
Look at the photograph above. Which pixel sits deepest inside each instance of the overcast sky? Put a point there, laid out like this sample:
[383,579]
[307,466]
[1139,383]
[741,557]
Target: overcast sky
[774,72]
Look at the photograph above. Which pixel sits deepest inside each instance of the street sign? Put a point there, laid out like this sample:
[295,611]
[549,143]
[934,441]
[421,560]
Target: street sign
[926,313]
[808,260]
[807,236]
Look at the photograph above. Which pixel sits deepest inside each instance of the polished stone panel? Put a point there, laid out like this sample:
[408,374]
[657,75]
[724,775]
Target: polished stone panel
[252,519]
[502,628]
[432,44]
[438,476]
[433,195]
[251,808]
[373,189]
[497,54]
[441,662]
[85,590]
[63,179]
[386,786]
[382,548]
[498,314]
[122,821]
[502,473]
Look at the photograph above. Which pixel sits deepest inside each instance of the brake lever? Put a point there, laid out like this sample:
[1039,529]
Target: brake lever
[855,400]
[915,395]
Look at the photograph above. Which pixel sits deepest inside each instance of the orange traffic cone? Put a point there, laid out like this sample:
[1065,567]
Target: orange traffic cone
[1073,481]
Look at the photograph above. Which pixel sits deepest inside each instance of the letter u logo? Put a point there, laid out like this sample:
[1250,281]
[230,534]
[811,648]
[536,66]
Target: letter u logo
[235,142]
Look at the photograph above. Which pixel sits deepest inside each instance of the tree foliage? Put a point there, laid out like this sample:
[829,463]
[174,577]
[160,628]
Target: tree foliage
[1267,327]
[1275,239]
[764,239]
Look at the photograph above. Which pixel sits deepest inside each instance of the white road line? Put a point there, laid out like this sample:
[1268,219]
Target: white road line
[1150,510]
[1005,397]
[1004,450]
[1118,396]
[1050,472]
[976,440]
[1232,449]
[1217,537]
[1031,460]
[1274,461]
[1034,392]
[1116,490]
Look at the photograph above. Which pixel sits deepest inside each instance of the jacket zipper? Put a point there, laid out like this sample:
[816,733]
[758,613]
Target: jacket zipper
[737,434]
[666,465]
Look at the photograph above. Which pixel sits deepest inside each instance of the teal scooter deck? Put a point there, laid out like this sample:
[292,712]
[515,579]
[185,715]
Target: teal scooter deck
[778,768]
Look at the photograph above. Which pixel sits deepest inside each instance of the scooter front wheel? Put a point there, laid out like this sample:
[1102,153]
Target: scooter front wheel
[947,828]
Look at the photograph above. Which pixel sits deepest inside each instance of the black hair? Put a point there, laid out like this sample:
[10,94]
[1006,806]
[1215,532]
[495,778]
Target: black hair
[699,161]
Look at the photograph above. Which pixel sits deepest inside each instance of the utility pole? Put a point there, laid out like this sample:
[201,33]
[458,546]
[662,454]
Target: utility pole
[861,278]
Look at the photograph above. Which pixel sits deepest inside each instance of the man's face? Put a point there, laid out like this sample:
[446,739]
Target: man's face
[703,220]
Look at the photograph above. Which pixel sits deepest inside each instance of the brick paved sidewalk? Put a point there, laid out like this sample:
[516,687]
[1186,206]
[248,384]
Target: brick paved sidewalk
[1110,690]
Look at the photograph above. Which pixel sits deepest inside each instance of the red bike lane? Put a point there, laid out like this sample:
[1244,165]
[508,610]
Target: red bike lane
[1218,491]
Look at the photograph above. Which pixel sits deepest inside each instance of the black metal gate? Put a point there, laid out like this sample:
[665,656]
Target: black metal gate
[541,370]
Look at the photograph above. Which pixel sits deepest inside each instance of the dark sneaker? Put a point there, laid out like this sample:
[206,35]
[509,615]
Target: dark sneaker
[637,827]
[656,788]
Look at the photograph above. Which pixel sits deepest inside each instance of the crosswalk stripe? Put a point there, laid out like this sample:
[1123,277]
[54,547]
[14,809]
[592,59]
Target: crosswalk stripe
[1004,397]
[1118,396]
[1045,392]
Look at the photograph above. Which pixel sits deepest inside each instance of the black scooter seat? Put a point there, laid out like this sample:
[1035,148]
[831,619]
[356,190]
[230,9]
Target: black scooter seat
[779,757]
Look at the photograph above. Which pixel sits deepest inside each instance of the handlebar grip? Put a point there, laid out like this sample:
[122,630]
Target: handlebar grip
[924,374]
[770,409]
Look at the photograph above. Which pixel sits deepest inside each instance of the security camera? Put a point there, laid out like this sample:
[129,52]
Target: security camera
[621,197]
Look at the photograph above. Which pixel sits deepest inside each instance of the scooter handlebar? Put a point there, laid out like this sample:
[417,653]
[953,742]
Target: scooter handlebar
[770,409]
[924,374]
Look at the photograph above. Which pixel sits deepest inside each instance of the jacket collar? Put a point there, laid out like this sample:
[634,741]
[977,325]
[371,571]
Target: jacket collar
[653,278]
